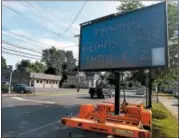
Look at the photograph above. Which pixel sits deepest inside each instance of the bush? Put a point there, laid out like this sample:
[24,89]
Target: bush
[4,88]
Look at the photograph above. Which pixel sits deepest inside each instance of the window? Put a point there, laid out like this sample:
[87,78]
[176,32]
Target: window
[56,82]
[47,81]
[53,82]
[37,81]
[40,81]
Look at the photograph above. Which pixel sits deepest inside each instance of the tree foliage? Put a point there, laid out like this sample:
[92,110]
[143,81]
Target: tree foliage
[129,6]
[27,66]
[55,60]
[3,63]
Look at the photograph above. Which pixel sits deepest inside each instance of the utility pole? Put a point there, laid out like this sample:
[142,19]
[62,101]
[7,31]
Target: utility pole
[178,43]
[78,87]
[10,79]
[33,83]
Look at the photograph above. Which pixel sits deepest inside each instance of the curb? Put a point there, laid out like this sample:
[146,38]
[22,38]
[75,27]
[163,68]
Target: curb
[175,116]
[40,94]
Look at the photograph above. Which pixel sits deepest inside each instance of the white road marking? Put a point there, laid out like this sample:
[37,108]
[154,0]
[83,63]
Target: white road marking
[44,126]
[47,132]
[28,100]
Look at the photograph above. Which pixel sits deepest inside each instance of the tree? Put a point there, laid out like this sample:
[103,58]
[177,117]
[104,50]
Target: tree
[68,66]
[70,61]
[38,67]
[23,66]
[64,73]
[3,63]
[27,66]
[129,6]
[54,59]
[51,70]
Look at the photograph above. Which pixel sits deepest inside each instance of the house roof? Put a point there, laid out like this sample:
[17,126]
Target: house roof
[44,76]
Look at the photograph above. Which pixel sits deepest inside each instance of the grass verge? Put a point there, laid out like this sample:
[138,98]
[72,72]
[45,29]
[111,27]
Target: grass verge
[163,94]
[164,125]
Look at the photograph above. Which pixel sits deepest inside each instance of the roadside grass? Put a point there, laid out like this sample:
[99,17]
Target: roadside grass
[163,94]
[164,125]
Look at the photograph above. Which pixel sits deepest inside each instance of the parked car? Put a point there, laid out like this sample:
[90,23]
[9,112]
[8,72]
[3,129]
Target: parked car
[141,90]
[22,88]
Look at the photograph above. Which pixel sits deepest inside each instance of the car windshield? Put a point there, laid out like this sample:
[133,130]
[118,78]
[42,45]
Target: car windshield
[24,85]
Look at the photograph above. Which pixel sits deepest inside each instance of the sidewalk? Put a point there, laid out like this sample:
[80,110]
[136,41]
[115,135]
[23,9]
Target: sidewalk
[171,104]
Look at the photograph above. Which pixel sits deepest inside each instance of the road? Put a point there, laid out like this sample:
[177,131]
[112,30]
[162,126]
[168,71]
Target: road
[39,116]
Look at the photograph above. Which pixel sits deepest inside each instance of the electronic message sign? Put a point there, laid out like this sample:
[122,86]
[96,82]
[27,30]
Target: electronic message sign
[132,40]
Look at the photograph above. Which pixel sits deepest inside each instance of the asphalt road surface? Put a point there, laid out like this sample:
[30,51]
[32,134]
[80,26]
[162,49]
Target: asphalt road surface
[39,116]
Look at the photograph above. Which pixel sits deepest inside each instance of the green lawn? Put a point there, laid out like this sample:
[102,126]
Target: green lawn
[163,94]
[164,125]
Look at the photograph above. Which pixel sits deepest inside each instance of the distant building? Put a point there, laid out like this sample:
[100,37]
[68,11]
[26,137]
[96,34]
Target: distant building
[86,80]
[36,80]
[40,80]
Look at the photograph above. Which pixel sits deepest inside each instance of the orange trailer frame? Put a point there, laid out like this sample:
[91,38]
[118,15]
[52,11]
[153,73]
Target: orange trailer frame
[134,121]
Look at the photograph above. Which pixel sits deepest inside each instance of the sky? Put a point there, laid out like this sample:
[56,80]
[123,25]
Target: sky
[43,24]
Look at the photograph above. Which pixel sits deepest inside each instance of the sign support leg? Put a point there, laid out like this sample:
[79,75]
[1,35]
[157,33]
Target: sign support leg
[117,94]
[150,89]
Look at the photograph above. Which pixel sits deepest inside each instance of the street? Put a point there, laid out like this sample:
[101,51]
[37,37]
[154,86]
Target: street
[39,116]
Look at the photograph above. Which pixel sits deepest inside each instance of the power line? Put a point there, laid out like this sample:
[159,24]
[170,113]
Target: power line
[75,17]
[29,19]
[31,6]
[20,55]
[27,38]
[21,52]
[14,45]
[53,15]
[21,40]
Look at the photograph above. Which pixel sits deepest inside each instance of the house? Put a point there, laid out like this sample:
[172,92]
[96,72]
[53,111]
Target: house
[41,80]
[86,80]
[36,80]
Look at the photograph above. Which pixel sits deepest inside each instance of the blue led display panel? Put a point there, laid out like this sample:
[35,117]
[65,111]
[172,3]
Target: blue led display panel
[137,39]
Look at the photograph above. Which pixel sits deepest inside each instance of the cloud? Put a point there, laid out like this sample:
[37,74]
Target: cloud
[19,32]
[63,45]
[147,3]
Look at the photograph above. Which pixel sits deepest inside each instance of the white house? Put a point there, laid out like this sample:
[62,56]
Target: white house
[40,80]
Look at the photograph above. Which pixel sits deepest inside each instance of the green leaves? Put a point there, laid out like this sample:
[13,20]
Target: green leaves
[55,58]
[129,6]
[27,66]
[3,63]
